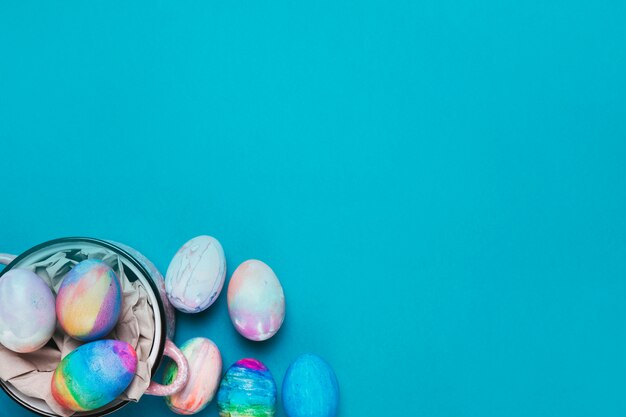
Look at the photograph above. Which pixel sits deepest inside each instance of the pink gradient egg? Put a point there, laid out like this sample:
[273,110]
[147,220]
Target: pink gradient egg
[256,301]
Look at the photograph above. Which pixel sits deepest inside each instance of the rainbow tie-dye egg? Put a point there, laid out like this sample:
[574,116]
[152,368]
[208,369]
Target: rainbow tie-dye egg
[93,375]
[247,390]
[89,301]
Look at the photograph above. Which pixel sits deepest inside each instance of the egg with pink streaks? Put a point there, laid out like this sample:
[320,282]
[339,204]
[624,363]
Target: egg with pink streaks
[205,369]
[256,301]
[93,375]
[89,301]
[27,317]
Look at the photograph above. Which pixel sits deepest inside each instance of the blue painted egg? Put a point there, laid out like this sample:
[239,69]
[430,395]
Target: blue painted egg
[310,388]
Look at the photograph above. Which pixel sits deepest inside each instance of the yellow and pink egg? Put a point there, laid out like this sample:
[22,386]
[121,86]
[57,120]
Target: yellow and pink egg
[89,301]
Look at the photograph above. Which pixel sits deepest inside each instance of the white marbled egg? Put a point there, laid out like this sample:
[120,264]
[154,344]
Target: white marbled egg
[196,275]
[27,315]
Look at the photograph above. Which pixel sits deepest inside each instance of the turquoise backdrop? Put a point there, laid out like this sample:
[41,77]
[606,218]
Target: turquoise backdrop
[440,185]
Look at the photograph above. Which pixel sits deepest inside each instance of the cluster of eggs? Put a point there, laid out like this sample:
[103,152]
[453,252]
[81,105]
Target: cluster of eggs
[248,389]
[195,278]
[256,305]
[87,307]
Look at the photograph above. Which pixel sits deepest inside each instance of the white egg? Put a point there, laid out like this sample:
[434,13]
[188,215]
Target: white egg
[27,311]
[196,274]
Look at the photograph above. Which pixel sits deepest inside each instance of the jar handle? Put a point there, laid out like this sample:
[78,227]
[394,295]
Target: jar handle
[171,351]
[6,259]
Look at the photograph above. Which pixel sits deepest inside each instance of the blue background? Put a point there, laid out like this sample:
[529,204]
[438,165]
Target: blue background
[440,185]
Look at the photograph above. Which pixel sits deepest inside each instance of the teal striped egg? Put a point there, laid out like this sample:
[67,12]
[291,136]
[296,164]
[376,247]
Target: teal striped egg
[247,390]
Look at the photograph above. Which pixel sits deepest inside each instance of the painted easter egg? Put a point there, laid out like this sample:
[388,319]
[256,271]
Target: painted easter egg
[27,316]
[93,375]
[89,301]
[205,370]
[247,390]
[256,302]
[310,388]
[195,276]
